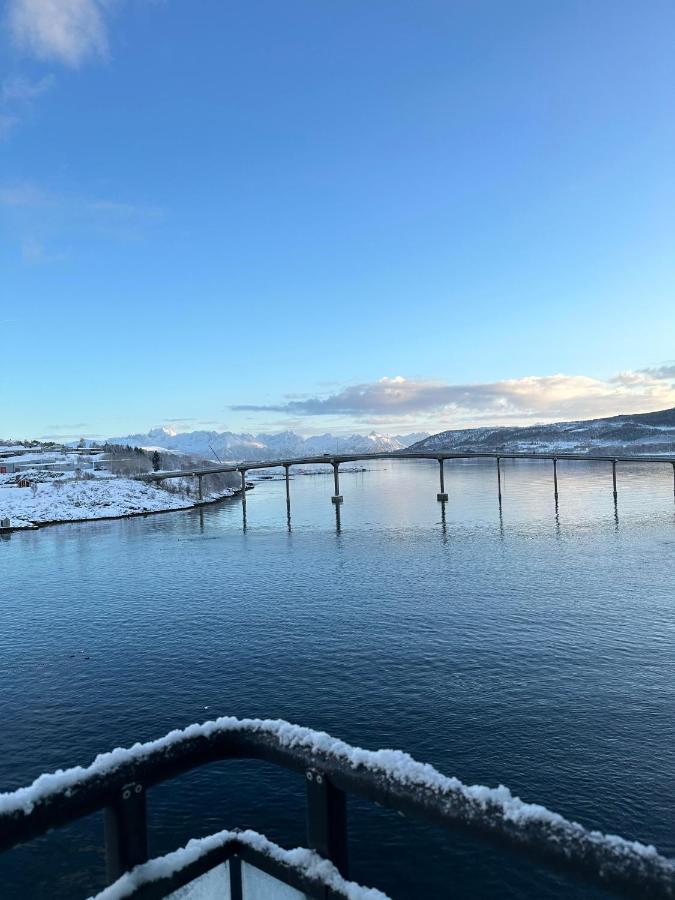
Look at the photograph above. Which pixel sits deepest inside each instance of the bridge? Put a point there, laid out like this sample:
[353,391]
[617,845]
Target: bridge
[441,456]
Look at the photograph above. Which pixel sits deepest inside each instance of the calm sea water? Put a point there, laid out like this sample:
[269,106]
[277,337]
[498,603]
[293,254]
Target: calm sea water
[531,648]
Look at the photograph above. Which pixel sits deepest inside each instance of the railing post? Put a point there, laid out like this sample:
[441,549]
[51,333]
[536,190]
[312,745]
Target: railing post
[442,496]
[236,892]
[126,837]
[327,820]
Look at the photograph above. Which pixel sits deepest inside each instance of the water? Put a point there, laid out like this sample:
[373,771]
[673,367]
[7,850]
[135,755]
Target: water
[535,648]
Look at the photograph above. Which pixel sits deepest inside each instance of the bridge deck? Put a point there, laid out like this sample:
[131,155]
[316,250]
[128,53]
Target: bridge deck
[338,458]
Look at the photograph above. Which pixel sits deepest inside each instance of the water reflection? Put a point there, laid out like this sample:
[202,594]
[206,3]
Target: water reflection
[538,653]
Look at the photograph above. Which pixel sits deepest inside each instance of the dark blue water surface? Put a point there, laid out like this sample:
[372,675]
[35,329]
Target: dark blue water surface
[533,649]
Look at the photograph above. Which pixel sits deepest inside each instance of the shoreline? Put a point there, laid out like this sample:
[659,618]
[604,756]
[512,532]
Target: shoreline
[37,526]
[236,492]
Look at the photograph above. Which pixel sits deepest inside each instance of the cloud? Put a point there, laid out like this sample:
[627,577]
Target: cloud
[23,194]
[7,125]
[17,96]
[41,219]
[520,400]
[17,88]
[65,31]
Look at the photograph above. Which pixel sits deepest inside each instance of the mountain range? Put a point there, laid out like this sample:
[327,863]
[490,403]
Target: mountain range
[639,433]
[229,446]
[645,433]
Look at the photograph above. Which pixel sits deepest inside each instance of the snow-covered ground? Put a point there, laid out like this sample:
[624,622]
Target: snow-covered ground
[68,500]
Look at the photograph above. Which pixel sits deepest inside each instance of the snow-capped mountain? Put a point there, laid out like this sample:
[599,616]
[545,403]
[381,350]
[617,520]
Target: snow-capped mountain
[232,447]
[650,433]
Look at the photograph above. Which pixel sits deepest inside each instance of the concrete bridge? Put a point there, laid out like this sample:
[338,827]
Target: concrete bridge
[336,460]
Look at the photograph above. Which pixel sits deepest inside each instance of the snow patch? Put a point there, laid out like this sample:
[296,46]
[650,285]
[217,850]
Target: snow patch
[59,500]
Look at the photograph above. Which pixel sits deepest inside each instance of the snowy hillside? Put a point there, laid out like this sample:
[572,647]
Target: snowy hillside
[40,486]
[231,447]
[642,433]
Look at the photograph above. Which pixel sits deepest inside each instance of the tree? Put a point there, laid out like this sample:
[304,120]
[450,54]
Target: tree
[156,461]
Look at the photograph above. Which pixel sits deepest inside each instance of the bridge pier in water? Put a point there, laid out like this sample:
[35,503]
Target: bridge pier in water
[442,496]
[614,478]
[499,481]
[555,480]
[288,494]
[337,497]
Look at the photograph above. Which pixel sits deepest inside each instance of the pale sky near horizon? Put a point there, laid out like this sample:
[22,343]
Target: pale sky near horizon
[334,216]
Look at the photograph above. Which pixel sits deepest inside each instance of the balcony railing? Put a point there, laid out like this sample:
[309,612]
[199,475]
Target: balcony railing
[118,782]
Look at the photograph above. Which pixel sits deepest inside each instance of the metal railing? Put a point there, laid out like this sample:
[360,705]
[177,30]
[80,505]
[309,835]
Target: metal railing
[160,877]
[331,770]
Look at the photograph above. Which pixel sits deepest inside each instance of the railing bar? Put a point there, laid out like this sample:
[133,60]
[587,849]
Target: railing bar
[232,852]
[560,850]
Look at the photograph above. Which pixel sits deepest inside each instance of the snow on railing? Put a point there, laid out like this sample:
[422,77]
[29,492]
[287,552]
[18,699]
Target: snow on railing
[390,777]
[300,861]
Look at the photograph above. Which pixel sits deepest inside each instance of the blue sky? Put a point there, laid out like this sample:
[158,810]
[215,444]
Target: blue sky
[334,214]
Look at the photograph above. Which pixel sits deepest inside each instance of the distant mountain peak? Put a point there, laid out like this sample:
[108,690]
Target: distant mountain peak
[164,431]
[231,447]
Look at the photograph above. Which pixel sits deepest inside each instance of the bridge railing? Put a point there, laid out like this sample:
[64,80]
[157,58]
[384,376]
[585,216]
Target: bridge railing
[117,783]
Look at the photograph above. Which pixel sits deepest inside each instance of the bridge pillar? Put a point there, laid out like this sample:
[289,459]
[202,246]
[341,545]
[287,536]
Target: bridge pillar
[614,477]
[337,497]
[674,479]
[442,496]
[499,480]
[200,486]
[288,493]
[555,478]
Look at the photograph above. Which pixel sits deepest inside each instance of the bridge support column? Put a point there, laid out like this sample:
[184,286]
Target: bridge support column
[442,496]
[674,479]
[499,480]
[337,497]
[288,493]
[200,487]
[242,472]
[614,478]
[555,478]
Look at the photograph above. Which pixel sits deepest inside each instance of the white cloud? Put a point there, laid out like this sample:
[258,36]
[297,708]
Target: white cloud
[42,220]
[18,89]
[22,194]
[7,125]
[67,31]
[17,95]
[536,398]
